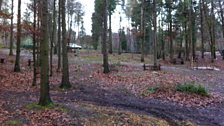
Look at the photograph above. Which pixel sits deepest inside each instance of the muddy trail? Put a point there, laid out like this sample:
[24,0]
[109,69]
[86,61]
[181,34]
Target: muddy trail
[172,113]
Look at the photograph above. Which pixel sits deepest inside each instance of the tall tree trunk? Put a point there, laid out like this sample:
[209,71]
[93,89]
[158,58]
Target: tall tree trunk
[34,43]
[50,30]
[210,24]
[186,32]
[59,36]
[69,28]
[70,31]
[163,44]
[11,30]
[110,30]
[44,52]
[187,58]
[17,62]
[193,32]
[154,33]
[190,26]
[119,45]
[1,4]
[78,29]
[53,38]
[65,84]
[68,20]
[213,31]
[142,31]
[202,29]
[190,32]
[39,16]
[104,49]
[222,15]
[181,45]
[170,29]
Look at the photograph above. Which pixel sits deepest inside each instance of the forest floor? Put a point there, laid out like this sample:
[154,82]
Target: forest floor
[127,96]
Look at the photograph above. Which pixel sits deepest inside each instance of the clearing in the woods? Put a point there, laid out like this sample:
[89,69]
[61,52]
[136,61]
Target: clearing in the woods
[176,95]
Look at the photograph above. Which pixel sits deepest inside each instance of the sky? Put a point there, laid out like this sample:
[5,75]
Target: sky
[88,9]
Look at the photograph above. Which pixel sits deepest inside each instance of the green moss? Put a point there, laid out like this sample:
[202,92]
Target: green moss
[35,106]
[191,87]
[13,122]
[38,107]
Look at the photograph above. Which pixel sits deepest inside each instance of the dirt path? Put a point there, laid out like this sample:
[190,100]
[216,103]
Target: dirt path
[174,114]
[166,110]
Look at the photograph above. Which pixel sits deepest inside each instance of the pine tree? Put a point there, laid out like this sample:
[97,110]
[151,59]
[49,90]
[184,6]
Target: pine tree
[44,53]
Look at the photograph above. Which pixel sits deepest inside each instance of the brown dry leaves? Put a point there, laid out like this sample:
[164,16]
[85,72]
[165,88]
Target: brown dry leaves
[46,117]
[137,82]
[186,99]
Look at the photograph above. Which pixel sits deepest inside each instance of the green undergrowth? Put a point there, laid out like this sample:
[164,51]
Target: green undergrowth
[13,122]
[1,46]
[149,90]
[186,87]
[192,87]
[152,90]
[92,58]
[35,106]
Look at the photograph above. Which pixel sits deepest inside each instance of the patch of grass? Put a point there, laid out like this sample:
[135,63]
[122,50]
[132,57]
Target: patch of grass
[117,64]
[14,122]
[152,90]
[38,107]
[187,123]
[95,115]
[149,90]
[92,58]
[51,106]
[62,108]
[192,87]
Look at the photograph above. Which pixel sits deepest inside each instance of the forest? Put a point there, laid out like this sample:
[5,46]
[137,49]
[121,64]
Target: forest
[139,62]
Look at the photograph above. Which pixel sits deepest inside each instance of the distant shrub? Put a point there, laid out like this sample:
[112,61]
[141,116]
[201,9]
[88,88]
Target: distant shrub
[149,90]
[192,88]
[27,46]
[1,45]
[117,64]
[152,90]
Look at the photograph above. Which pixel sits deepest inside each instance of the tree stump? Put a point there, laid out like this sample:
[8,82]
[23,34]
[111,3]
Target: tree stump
[2,60]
